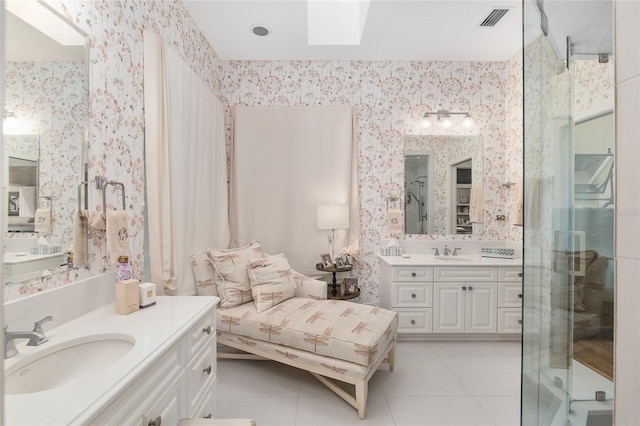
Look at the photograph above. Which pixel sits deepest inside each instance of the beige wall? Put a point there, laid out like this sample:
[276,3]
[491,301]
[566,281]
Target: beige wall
[627,347]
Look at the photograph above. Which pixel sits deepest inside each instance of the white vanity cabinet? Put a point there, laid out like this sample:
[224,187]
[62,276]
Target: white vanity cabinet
[180,384]
[467,299]
[451,297]
[510,300]
[411,296]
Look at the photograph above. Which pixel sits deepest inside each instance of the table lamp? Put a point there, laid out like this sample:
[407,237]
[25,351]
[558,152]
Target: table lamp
[333,216]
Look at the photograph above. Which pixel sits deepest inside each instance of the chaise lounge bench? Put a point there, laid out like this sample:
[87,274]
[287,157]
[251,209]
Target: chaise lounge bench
[291,322]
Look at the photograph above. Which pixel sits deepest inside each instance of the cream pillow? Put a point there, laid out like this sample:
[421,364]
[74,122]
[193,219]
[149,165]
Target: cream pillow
[203,273]
[272,281]
[232,281]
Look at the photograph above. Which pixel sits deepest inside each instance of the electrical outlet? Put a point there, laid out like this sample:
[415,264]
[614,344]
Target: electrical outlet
[601,396]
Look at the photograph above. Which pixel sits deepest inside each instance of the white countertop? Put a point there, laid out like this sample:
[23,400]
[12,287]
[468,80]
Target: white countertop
[155,330]
[430,260]
[13,258]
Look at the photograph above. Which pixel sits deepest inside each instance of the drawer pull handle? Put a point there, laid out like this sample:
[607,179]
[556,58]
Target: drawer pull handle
[470,287]
[520,296]
[464,288]
[520,274]
[413,295]
[208,416]
[207,370]
[155,422]
[207,330]
[413,322]
[520,322]
[413,274]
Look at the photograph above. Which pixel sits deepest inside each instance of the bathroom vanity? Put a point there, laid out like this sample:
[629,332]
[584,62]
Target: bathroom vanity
[154,366]
[453,296]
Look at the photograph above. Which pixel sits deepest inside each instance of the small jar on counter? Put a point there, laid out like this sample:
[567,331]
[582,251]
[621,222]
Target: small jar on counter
[124,271]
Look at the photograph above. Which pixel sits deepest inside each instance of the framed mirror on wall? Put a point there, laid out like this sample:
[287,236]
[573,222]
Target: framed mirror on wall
[45,111]
[440,173]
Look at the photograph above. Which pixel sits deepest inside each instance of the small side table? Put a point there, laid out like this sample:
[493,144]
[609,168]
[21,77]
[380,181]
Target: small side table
[333,269]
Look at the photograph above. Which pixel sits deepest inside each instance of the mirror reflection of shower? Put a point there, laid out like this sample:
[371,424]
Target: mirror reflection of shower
[422,215]
[417,190]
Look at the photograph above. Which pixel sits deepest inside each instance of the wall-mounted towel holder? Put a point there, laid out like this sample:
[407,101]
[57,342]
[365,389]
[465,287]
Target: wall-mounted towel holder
[508,184]
[104,194]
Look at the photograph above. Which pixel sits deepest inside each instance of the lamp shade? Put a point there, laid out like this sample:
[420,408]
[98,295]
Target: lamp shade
[333,216]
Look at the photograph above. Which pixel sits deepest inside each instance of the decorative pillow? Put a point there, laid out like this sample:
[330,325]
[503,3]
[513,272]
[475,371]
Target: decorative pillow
[203,272]
[232,281]
[272,281]
[309,287]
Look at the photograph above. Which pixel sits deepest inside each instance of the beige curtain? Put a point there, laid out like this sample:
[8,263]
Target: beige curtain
[185,155]
[285,161]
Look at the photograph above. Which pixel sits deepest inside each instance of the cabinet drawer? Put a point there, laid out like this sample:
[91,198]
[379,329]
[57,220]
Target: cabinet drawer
[509,320]
[414,320]
[199,335]
[509,295]
[465,273]
[510,273]
[412,273]
[201,373]
[409,295]
[204,407]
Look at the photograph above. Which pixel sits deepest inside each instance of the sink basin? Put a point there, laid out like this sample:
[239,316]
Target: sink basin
[453,258]
[60,364]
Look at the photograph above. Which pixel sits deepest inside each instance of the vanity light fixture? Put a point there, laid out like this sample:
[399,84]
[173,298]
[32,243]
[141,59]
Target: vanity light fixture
[443,119]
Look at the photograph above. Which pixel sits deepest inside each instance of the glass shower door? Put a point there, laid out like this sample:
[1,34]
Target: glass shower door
[549,240]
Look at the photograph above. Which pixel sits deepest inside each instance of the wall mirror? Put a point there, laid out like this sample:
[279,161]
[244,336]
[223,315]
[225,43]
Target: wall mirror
[44,126]
[439,175]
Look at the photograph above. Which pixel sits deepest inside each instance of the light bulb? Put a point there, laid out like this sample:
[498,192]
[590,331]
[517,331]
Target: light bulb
[426,121]
[446,122]
[467,122]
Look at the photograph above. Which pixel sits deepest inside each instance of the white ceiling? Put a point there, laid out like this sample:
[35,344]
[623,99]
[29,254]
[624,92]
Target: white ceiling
[394,30]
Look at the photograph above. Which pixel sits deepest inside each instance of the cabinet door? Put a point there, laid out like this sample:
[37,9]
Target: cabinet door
[448,310]
[509,320]
[481,308]
[169,407]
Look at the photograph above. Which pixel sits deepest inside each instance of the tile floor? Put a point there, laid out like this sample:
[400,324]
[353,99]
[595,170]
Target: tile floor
[433,384]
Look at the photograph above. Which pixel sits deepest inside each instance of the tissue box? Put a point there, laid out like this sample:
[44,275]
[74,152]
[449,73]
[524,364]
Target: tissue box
[127,296]
[147,295]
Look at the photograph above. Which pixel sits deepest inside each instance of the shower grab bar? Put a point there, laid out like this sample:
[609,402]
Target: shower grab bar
[81,211]
[104,194]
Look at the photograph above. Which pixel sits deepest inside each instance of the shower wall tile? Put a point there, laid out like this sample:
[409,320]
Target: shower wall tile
[627,349]
[627,176]
[627,39]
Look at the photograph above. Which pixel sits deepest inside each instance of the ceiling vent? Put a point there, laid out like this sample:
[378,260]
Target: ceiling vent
[493,18]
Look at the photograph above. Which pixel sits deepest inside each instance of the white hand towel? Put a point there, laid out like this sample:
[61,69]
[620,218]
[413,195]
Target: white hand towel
[80,239]
[117,234]
[517,210]
[476,204]
[42,221]
[395,222]
[97,221]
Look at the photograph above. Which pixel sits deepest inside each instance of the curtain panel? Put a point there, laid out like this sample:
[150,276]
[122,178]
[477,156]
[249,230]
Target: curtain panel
[186,170]
[285,161]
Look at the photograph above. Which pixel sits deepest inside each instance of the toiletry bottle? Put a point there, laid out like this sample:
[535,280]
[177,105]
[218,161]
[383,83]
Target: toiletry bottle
[124,272]
[70,261]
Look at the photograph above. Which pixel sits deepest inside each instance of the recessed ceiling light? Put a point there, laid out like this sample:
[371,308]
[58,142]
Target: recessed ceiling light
[260,30]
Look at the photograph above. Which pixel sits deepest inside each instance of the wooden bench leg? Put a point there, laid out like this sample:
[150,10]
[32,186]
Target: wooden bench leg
[392,357]
[362,389]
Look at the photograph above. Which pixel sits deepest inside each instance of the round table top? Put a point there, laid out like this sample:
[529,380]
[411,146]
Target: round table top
[333,268]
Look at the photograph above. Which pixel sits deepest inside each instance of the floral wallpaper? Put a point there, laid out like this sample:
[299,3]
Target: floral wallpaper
[116,91]
[48,98]
[390,98]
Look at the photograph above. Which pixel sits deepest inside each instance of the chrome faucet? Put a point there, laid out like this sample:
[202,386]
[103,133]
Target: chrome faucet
[36,337]
[455,251]
[446,251]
